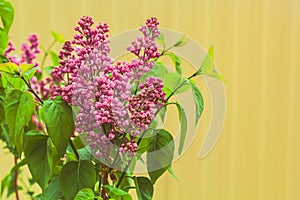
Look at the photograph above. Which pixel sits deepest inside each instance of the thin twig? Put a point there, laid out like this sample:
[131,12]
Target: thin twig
[74,149]
[31,90]
[16,180]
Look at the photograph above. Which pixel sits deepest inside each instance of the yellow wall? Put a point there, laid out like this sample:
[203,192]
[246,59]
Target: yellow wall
[256,47]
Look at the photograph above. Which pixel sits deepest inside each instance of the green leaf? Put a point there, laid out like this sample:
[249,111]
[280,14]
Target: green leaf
[144,188]
[9,68]
[38,155]
[172,81]
[198,99]
[7,17]
[85,194]
[7,184]
[54,57]
[57,37]
[80,140]
[177,62]
[58,117]
[52,191]
[84,153]
[160,154]
[170,170]
[14,82]
[19,165]
[4,183]
[76,175]
[2,97]
[181,41]
[3,59]
[183,126]
[159,70]
[162,113]
[26,67]
[127,180]
[161,40]
[49,69]
[29,74]
[19,108]
[208,66]
[117,193]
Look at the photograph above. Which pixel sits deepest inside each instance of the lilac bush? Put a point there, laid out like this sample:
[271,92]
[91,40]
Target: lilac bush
[81,123]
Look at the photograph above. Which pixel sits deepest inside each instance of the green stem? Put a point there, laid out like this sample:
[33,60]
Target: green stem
[46,54]
[31,90]
[179,86]
[74,149]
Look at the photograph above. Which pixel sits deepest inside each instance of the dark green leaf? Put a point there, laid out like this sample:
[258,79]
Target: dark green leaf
[19,108]
[84,153]
[80,140]
[58,117]
[19,165]
[85,194]
[198,99]
[75,176]
[7,17]
[38,155]
[183,126]
[126,182]
[177,62]
[52,191]
[117,193]
[160,154]
[144,188]
[3,59]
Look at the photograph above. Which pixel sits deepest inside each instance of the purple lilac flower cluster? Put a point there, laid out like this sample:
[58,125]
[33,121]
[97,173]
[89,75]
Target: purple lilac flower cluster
[78,55]
[109,94]
[29,51]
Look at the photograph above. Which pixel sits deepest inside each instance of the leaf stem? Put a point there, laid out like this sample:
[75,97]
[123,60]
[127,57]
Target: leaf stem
[16,180]
[179,86]
[31,90]
[74,149]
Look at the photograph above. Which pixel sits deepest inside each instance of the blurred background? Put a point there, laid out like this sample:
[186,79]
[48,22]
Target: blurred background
[257,46]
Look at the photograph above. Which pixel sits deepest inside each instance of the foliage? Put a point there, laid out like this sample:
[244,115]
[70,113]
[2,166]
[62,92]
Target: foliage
[59,139]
